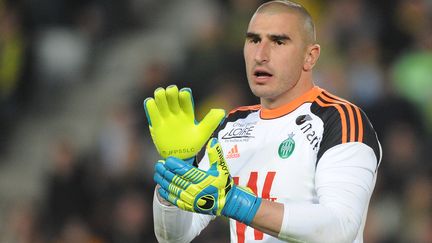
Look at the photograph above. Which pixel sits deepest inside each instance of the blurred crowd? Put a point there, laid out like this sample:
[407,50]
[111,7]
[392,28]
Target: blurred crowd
[377,54]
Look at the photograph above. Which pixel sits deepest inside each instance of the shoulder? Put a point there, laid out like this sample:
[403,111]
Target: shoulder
[236,114]
[339,113]
[344,122]
[242,112]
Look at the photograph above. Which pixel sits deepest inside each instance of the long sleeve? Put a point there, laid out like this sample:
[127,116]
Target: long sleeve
[172,224]
[345,178]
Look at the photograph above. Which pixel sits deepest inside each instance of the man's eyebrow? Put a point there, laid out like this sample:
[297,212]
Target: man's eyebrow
[252,35]
[282,37]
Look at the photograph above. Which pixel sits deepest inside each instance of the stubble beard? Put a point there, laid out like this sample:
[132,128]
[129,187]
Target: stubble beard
[271,94]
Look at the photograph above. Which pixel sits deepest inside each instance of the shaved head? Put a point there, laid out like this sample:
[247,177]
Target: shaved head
[281,6]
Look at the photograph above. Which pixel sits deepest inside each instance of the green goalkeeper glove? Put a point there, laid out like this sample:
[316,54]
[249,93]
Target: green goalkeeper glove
[208,192]
[173,127]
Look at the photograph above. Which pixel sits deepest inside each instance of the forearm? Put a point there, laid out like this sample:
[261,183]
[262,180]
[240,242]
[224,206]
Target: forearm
[306,222]
[303,222]
[166,218]
[174,225]
[268,218]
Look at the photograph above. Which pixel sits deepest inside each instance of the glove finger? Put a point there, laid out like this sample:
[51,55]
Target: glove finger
[211,121]
[182,204]
[185,170]
[172,94]
[165,177]
[163,171]
[169,187]
[161,180]
[161,101]
[152,112]
[186,102]
[178,166]
[165,195]
[187,198]
[160,170]
[178,197]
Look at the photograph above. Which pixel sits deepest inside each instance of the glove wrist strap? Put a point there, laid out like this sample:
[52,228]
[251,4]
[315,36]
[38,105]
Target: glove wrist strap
[242,205]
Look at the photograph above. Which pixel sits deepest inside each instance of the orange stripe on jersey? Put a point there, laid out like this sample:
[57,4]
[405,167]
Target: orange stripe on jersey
[360,124]
[342,116]
[246,108]
[356,124]
[350,114]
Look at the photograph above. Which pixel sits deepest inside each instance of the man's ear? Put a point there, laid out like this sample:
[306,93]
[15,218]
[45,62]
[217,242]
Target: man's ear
[312,55]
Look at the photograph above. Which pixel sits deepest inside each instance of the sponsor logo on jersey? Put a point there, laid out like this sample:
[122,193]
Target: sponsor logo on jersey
[302,119]
[286,148]
[307,129]
[233,153]
[240,131]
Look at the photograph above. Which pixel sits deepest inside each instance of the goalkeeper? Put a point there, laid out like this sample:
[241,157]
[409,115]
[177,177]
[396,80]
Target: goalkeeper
[300,167]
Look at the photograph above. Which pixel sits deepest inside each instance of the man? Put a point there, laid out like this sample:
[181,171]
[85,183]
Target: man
[309,157]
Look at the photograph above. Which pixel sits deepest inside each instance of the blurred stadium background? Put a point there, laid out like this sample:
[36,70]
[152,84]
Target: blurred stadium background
[76,158]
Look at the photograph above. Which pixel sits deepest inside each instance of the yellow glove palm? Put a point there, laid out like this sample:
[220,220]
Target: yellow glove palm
[173,127]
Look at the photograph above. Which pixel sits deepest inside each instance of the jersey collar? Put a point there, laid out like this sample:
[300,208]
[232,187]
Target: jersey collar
[309,96]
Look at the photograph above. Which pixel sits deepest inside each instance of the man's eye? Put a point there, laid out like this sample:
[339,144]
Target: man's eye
[254,40]
[279,42]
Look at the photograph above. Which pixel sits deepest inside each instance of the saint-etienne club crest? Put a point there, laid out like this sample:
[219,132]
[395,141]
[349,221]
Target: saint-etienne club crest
[286,148]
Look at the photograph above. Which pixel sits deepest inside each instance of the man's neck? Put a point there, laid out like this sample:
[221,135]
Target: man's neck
[298,90]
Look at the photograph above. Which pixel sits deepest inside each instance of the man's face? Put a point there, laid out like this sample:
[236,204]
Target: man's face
[274,53]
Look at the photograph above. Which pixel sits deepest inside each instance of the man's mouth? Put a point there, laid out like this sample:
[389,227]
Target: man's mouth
[260,74]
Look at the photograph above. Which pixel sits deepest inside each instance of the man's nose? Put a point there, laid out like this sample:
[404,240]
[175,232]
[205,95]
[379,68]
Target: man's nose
[262,54]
